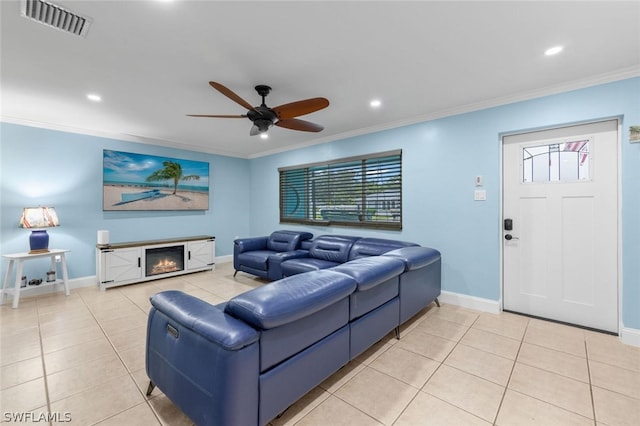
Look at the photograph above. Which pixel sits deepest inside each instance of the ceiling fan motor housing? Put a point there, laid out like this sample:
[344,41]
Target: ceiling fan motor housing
[262,117]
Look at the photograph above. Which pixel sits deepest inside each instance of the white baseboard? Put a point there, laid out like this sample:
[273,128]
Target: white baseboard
[630,336]
[470,302]
[224,259]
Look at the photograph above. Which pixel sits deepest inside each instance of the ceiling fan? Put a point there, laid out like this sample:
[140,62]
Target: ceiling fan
[264,117]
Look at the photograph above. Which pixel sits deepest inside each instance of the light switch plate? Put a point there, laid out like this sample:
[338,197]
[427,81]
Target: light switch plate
[480,195]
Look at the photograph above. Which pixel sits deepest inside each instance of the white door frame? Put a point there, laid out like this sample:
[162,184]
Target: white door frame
[501,137]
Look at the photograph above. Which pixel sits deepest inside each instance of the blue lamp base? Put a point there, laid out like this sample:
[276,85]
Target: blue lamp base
[39,241]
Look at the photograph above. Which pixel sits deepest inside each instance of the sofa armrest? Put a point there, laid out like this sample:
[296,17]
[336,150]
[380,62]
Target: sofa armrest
[275,262]
[206,320]
[250,244]
[206,362]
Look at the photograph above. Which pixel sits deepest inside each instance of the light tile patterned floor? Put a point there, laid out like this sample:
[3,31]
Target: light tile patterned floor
[84,355]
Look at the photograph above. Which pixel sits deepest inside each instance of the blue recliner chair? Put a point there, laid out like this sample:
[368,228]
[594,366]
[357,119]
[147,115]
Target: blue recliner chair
[251,255]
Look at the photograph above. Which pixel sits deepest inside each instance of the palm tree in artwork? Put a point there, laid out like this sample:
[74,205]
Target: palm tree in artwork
[171,171]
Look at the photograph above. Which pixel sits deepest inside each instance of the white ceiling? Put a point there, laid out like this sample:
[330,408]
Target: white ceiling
[151,62]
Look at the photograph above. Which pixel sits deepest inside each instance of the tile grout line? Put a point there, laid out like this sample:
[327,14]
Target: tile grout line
[593,402]
[129,374]
[110,343]
[346,402]
[365,366]
[513,367]
[440,363]
[44,366]
[552,372]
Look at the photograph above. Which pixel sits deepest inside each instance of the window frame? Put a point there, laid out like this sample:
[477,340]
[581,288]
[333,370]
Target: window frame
[339,187]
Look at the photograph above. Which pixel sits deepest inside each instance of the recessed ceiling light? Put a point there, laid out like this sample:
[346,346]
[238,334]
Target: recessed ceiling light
[93,97]
[375,103]
[553,50]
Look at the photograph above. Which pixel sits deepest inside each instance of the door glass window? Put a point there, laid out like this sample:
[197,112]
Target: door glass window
[567,161]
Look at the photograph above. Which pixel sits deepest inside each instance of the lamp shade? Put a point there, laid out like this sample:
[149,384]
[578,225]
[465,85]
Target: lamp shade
[39,217]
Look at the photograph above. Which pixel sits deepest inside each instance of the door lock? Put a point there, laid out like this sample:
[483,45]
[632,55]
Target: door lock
[508,225]
[510,237]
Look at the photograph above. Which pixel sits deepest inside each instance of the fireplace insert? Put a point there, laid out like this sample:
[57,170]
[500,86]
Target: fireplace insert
[164,260]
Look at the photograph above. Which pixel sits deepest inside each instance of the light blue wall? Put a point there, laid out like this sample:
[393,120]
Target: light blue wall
[47,167]
[441,159]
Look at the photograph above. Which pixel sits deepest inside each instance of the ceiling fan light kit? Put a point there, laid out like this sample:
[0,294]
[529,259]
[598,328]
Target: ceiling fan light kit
[264,117]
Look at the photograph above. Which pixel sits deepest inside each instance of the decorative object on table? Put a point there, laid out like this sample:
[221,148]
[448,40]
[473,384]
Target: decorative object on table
[51,276]
[23,282]
[35,281]
[36,219]
[103,237]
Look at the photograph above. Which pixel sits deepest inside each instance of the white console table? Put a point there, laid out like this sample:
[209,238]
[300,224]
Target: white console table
[20,258]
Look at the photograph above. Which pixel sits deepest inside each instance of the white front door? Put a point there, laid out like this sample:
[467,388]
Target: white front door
[560,191]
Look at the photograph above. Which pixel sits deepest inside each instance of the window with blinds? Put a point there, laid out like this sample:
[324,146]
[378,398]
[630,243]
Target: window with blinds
[357,191]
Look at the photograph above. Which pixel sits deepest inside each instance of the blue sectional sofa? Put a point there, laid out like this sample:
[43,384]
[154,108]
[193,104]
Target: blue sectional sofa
[245,361]
[295,252]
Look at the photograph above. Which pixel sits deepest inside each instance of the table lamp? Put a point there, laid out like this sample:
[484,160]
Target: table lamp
[37,218]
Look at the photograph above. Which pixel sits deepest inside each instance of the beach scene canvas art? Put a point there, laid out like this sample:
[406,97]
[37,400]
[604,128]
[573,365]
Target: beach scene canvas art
[148,182]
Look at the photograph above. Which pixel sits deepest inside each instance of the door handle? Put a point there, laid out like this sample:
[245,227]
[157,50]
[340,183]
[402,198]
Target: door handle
[510,237]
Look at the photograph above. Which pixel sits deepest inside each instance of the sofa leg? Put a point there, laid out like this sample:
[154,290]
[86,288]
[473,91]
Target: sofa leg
[234,274]
[437,303]
[397,330]
[150,388]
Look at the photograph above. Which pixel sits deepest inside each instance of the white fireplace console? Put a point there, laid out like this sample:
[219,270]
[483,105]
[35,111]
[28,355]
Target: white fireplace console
[133,262]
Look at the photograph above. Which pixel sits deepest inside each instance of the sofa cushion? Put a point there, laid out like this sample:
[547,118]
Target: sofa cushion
[286,240]
[257,259]
[377,280]
[375,247]
[371,271]
[415,257]
[334,248]
[304,264]
[290,299]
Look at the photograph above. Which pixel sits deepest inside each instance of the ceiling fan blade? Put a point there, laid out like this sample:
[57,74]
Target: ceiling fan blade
[295,124]
[230,94]
[295,109]
[216,116]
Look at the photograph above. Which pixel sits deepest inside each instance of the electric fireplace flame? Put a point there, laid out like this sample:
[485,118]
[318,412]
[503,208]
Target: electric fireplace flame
[164,260]
[164,266]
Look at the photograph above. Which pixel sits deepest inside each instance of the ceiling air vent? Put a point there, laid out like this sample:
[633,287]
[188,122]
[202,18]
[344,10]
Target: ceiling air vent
[55,16]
